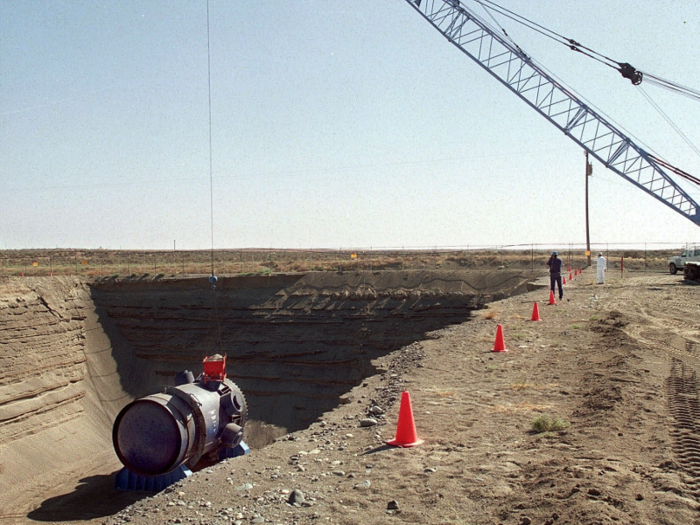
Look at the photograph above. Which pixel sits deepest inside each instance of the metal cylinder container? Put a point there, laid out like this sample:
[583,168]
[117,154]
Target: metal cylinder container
[156,434]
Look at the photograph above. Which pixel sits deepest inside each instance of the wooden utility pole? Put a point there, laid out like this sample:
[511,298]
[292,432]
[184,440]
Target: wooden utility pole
[589,172]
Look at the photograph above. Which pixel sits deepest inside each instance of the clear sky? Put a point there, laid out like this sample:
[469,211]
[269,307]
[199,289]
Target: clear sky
[333,124]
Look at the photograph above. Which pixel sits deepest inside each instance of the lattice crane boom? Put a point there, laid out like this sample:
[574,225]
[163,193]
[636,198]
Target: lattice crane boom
[515,70]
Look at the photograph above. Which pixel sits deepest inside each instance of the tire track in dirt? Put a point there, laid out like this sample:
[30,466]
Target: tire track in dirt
[664,325]
[685,409]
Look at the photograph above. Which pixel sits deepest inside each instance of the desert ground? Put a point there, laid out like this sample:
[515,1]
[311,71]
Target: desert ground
[160,264]
[614,365]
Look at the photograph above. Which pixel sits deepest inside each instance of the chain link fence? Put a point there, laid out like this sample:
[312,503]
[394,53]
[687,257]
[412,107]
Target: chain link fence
[128,263]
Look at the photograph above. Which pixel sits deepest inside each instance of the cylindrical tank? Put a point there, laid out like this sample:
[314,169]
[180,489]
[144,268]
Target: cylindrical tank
[156,434]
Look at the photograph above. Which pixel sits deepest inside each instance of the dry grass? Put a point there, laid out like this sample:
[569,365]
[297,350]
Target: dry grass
[520,407]
[525,386]
[101,263]
[441,393]
[533,386]
[490,313]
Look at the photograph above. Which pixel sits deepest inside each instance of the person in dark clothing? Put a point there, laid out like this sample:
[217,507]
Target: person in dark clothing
[554,264]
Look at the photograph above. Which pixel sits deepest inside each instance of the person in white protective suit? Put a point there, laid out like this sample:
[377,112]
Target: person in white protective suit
[601,268]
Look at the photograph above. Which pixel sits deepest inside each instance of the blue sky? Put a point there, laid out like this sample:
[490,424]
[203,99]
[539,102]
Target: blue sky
[333,124]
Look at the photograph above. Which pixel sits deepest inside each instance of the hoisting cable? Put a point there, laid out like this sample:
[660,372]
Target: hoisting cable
[670,122]
[625,69]
[212,278]
[671,86]
[505,33]
[677,171]
[211,170]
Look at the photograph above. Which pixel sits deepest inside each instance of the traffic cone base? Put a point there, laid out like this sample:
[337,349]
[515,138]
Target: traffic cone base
[499,345]
[406,428]
[535,313]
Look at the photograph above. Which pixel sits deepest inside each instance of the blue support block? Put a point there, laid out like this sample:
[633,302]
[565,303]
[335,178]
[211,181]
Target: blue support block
[127,480]
[239,450]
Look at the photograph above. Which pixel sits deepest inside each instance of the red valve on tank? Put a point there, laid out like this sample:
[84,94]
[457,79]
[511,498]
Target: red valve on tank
[214,368]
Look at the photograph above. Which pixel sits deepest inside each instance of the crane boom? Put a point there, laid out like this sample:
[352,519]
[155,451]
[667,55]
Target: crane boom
[515,70]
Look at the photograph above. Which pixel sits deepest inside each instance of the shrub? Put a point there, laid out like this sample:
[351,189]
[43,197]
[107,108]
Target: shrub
[490,314]
[546,423]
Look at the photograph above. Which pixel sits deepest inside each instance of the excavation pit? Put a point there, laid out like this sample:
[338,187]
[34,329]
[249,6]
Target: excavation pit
[75,353]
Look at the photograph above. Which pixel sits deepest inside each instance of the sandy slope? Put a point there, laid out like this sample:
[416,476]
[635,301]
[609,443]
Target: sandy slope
[58,392]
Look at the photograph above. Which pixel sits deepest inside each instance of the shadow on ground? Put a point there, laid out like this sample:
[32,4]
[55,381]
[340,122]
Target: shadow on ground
[94,497]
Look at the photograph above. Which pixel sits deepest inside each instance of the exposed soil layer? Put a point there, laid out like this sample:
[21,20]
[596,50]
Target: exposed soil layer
[72,354]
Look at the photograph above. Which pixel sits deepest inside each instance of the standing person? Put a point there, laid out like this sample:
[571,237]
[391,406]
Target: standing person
[601,268]
[554,264]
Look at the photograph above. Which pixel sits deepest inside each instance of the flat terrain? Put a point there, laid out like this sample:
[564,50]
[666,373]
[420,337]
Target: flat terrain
[617,362]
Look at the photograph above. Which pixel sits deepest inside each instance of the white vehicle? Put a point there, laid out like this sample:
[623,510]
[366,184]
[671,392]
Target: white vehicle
[677,262]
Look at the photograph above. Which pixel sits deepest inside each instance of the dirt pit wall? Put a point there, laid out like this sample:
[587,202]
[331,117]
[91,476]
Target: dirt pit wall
[295,343]
[72,353]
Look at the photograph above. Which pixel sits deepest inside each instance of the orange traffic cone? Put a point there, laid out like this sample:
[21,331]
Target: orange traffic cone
[563,280]
[535,313]
[499,345]
[406,428]
[569,276]
[551,297]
